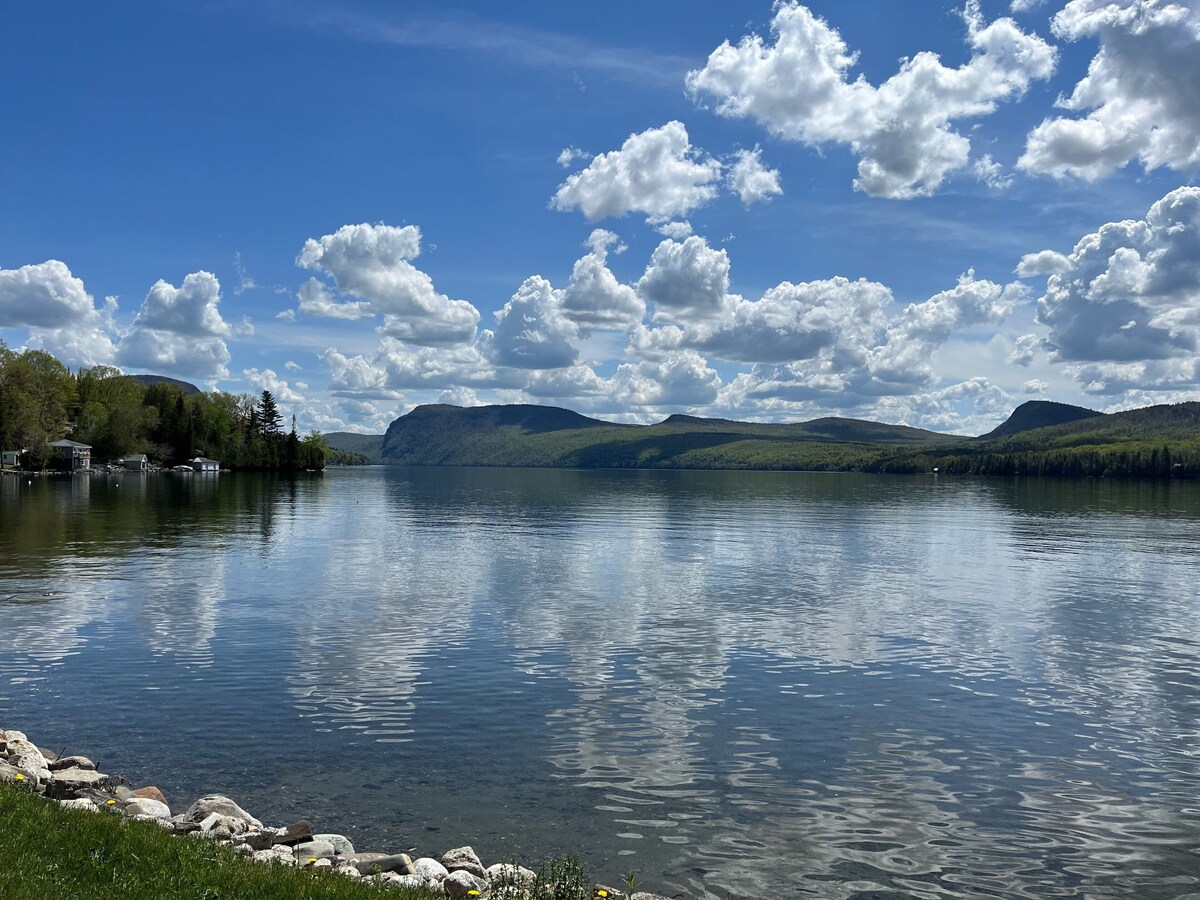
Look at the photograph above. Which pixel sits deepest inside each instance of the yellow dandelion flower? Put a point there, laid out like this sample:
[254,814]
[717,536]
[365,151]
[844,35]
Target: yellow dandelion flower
[472,893]
[19,777]
[601,893]
[110,802]
[312,859]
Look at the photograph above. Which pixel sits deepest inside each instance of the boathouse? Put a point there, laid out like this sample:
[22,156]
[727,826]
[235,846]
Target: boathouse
[200,464]
[76,457]
[136,462]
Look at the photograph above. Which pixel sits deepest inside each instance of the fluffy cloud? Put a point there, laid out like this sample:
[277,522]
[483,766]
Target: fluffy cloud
[1131,292]
[267,380]
[60,314]
[991,173]
[373,264]
[682,379]
[905,356]
[795,321]
[750,179]
[179,330]
[685,280]
[677,230]
[316,300]
[531,331]
[798,87]
[1044,262]
[656,172]
[594,297]
[45,295]
[1139,93]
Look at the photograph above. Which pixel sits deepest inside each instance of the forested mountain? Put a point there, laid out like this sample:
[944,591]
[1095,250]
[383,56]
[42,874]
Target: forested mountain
[1039,414]
[1160,441]
[368,446]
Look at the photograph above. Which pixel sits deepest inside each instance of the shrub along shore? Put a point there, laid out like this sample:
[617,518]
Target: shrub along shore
[69,831]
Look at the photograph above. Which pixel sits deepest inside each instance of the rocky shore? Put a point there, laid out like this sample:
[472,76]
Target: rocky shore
[74,782]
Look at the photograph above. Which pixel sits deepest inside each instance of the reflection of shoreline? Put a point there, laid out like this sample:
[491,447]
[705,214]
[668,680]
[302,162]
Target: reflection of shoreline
[875,684]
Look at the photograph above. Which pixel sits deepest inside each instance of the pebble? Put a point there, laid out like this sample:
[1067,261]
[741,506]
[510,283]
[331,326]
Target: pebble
[74,783]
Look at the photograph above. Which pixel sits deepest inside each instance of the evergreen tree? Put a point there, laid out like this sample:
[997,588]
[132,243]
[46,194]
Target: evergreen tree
[269,418]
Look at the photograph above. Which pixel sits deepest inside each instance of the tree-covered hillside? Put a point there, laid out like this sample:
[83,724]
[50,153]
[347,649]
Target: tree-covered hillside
[41,401]
[1155,442]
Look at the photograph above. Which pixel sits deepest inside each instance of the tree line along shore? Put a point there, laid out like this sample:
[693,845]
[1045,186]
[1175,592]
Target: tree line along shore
[42,401]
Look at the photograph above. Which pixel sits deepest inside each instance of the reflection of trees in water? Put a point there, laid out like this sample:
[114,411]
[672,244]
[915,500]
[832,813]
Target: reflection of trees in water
[156,541]
[689,616]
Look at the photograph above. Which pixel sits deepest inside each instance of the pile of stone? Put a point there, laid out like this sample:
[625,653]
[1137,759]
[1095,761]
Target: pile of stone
[74,782]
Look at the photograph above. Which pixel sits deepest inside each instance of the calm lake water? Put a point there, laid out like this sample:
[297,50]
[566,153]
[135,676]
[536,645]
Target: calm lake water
[736,685]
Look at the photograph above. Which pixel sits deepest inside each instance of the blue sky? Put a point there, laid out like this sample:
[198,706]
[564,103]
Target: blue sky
[367,206]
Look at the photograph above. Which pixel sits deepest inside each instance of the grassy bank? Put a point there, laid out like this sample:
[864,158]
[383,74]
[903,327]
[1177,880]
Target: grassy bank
[50,852]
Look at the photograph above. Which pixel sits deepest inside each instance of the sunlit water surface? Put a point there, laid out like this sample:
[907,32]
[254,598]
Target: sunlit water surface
[735,685]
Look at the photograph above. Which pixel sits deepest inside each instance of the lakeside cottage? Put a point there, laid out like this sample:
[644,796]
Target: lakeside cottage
[77,456]
[136,462]
[10,459]
[200,464]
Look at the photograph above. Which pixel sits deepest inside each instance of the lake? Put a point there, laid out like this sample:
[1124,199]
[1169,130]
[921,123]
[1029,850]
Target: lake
[733,684]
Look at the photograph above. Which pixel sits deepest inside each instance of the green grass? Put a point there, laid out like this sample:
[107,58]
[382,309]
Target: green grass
[50,852]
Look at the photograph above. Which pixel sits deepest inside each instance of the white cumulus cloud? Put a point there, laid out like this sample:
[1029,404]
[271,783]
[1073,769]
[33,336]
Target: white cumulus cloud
[1044,262]
[1132,290]
[373,264]
[752,181]
[685,279]
[531,331]
[798,86]
[1139,99]
[656,172]
[60,314]
[179,330]
[594,297]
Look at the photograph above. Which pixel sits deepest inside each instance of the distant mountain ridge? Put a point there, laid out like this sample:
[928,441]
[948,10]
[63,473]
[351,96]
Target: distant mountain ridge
[1040,437]
[369,445]
[1039,414]
[188,389]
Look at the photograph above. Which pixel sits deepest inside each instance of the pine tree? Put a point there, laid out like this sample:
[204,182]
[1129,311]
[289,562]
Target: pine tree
[269,418]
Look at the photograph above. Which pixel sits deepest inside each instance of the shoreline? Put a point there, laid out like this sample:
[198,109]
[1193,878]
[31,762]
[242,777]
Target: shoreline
[73,782]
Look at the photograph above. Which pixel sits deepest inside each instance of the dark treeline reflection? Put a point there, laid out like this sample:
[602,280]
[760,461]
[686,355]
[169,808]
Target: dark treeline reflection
[103,515]
[849,685]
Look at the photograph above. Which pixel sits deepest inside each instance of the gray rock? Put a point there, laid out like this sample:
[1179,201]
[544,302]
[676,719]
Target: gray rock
[257,840]
[11,773]
[409,881]
[263,856]
[507,873]
[429,868]
[220,826]
[67,783]
[71,762]
[81,803]
[642,895]
[25,756]
[370,863]
[314,850]
[217,803]
[348,872]
[464,859]
[461,882]
[143,806]
[295,834]
[607,893]
[341,843]
[323,863]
